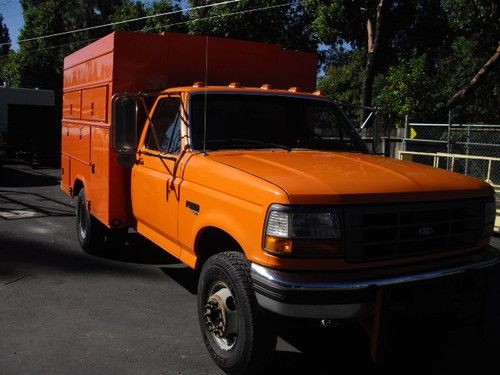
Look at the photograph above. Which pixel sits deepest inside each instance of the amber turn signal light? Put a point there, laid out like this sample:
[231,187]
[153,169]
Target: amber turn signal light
[278,245]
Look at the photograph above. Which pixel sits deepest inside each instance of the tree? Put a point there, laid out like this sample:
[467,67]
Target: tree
[173,22]
[39,61]
[463,92]
[9,72]
[405,90]
[6,56]
[384,31]
[343,79]
[473,54]
[356,23]
[256,20]
[129,10]
[4,38]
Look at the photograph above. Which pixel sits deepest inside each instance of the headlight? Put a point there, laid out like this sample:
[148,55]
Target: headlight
[278,224]
[316,225]
[306,232]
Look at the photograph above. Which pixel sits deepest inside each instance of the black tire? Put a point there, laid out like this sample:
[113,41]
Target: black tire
[250,349]
[90,232]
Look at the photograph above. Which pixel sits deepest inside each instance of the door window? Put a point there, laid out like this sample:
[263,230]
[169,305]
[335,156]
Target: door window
[165,132]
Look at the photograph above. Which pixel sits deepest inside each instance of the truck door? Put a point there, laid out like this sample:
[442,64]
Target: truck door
[155,191]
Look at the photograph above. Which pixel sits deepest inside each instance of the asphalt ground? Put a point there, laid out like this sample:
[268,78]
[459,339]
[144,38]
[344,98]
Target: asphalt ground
[63,311]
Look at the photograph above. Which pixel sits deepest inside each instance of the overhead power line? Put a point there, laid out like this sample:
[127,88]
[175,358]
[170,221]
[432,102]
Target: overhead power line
[221,15]
[173,24]
[125,21]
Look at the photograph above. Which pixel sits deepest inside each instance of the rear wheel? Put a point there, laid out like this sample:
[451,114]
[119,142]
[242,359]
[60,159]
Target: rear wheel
[233,326]
[90,232]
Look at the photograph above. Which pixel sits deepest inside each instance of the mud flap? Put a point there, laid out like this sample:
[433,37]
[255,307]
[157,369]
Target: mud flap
[378,342]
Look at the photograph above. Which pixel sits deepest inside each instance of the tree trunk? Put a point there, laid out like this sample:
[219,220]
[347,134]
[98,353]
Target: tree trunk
[373,41]
[474,82]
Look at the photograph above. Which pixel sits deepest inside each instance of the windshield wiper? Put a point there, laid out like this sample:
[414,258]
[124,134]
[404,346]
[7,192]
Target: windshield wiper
[249,141]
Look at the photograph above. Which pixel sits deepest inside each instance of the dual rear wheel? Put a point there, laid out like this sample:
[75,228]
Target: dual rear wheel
[93,236]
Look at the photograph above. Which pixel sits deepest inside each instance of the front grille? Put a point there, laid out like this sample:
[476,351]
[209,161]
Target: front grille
[411,229]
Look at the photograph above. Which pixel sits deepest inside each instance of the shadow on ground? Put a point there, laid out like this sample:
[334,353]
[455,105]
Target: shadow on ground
[19,256]
[414,348]
[39,205]
[137,250]
[18,178]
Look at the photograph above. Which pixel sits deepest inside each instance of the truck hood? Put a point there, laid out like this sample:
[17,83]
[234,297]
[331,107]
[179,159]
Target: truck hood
[318,177]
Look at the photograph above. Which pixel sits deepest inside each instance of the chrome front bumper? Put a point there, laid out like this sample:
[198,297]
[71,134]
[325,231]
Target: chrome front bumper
[302,295]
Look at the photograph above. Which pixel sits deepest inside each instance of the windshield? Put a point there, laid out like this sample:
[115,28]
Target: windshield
[253,121]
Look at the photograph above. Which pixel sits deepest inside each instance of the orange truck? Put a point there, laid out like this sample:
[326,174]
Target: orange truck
[222,153]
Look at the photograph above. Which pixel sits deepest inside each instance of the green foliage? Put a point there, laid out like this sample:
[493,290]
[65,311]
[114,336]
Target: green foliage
[9,69]
[475,28]
[38,60]
[338,22]
[405,90]
[284,25]
[4,38]
[429,49]
[342,82]
[457,67]
[5,58]
[467,17]
[129,10]
[176,22]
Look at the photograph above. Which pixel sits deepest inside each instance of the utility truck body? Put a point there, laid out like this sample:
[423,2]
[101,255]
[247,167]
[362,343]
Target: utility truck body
[220,152]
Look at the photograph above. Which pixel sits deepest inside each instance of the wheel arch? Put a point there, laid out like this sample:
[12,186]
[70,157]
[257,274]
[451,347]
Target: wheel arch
[211,241]
[78,185]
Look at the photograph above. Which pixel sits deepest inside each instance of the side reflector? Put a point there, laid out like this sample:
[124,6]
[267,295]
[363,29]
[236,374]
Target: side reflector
[294,89]
[234,85]
[199,84]
[266,86]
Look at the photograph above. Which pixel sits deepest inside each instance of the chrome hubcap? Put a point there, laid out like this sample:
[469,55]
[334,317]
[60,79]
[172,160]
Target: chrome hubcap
[221,317]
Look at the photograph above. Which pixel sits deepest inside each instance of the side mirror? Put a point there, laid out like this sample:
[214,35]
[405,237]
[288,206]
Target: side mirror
[124,128]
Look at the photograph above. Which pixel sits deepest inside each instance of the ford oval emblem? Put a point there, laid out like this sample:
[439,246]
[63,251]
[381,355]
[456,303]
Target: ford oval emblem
[425,231]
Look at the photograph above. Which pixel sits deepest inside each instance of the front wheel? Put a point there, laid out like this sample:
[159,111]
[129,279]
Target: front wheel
[233,326]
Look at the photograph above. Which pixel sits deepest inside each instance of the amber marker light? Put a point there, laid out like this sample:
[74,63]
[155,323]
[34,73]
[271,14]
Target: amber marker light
[278,245]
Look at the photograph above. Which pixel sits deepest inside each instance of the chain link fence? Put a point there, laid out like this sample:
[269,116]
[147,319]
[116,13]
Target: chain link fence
[457,139]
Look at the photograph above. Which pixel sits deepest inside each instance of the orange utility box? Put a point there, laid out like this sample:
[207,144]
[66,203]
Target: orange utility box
[137,62]
[221,153]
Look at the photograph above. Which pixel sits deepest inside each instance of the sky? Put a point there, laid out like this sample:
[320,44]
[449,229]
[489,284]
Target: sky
[13,18]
